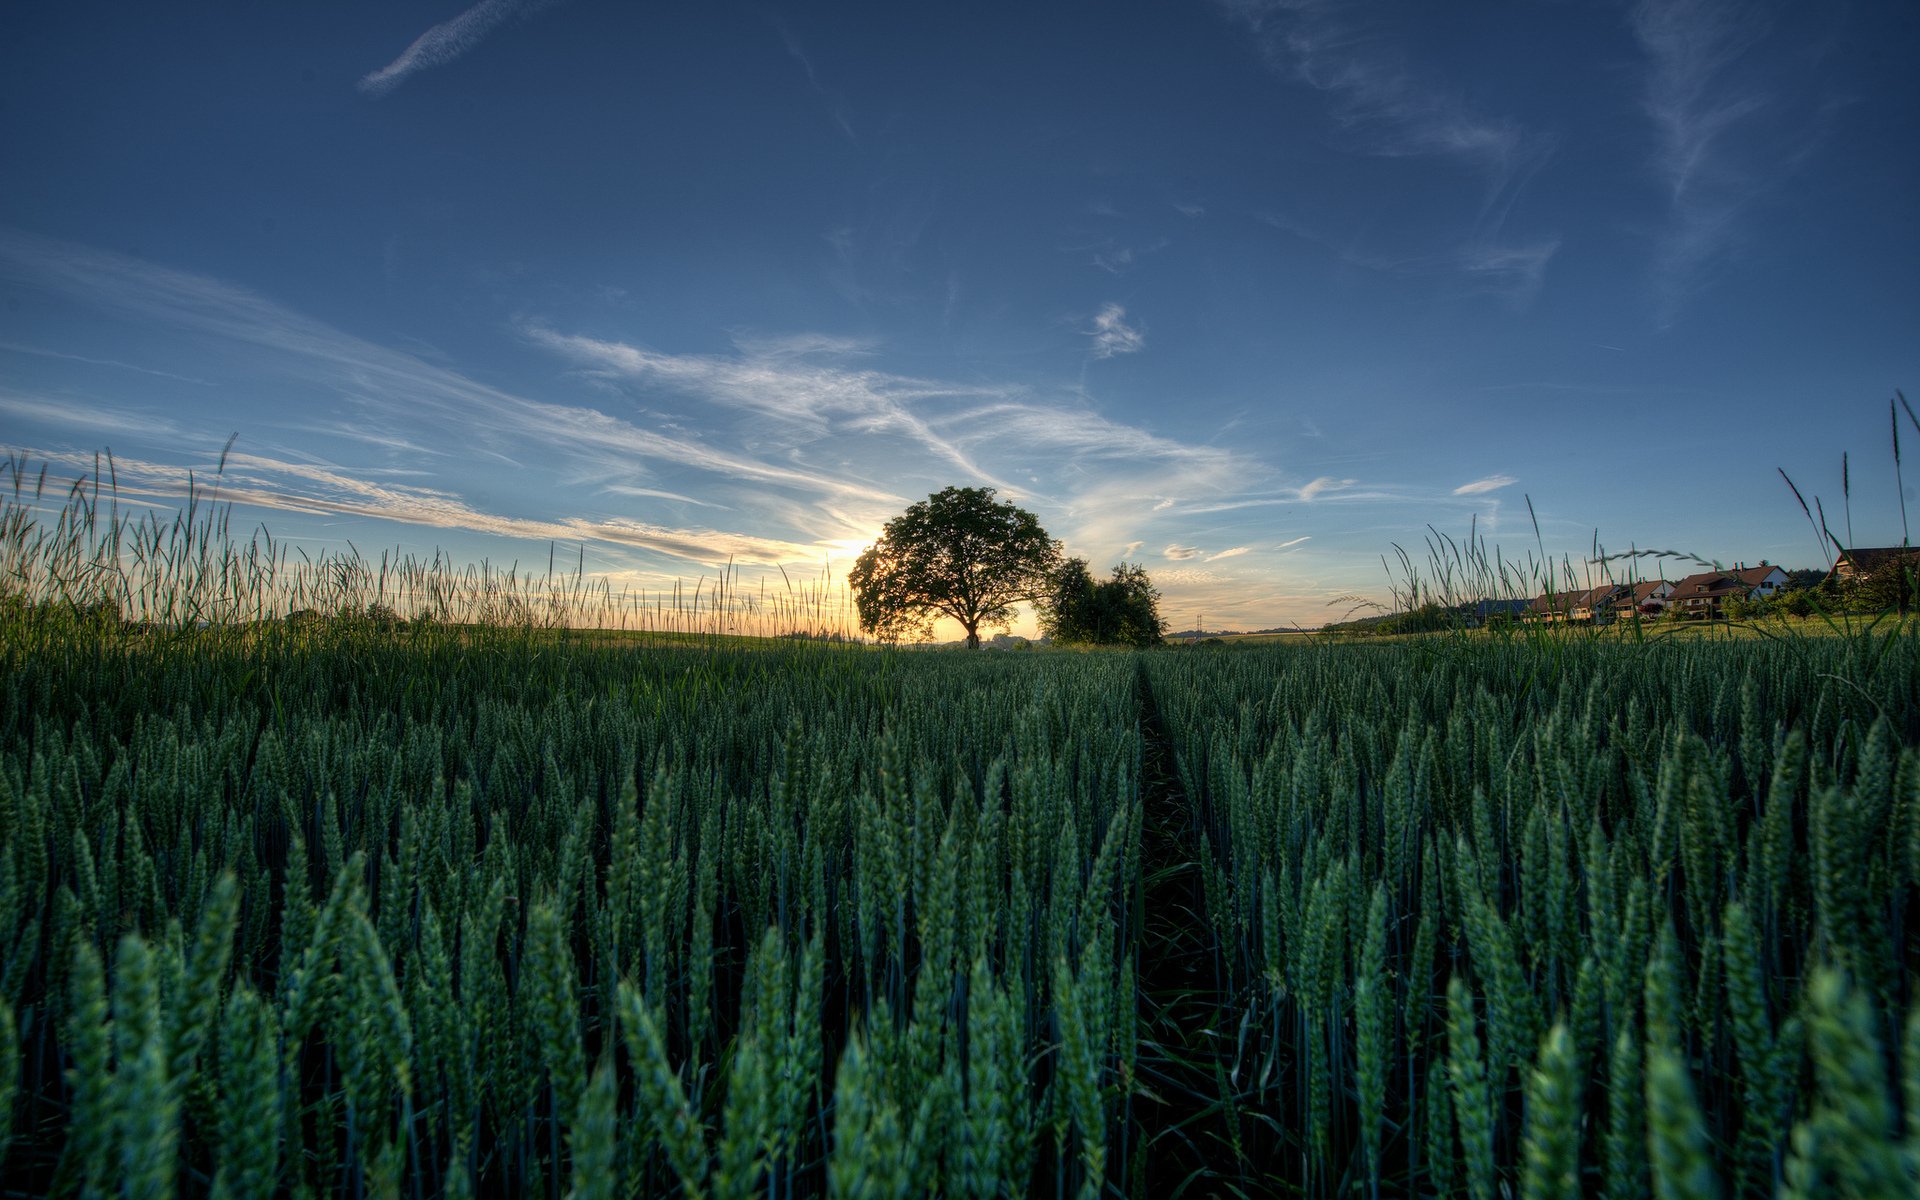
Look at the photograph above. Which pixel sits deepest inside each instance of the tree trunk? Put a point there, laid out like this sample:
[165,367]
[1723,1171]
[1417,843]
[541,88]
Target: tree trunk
[973,637]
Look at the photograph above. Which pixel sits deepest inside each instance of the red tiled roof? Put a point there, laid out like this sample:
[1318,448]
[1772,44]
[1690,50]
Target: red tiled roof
[1707,584]
[1641,593]
[1593,597]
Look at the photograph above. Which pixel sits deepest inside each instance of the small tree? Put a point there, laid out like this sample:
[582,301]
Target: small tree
[1429,617]
[959,553]
[1894,584]
[1124,610]
[1132,603]
[1067,610]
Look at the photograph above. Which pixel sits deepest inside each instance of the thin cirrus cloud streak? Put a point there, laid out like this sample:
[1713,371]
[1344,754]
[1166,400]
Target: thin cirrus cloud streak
[818,389]
[17,348]
[319,489]
[411,390]
[91,419]
[1389,109]
[836,103]
[1514,270]
[621,489]
[1692,93]
[758,413]
[1481,487]
[1119,505]
[447,41]
[1190,576]
[1324,485]
[793,382]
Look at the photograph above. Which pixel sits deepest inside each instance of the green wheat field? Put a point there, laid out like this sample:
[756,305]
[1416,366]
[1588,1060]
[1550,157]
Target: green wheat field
[355,906]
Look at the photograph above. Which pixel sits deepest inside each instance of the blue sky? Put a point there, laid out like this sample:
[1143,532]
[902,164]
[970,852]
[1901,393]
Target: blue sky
[1247,291]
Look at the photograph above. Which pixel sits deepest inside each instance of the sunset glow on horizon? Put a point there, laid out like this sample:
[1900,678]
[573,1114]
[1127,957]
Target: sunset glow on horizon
[1249,292]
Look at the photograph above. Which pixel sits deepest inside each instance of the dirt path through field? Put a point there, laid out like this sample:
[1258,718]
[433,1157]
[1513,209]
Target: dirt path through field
[1182,1137]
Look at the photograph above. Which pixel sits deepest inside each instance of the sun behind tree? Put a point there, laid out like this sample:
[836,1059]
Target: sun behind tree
[959,553]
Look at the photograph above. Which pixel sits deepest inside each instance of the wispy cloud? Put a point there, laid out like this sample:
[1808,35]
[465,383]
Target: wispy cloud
[1689,45]
[1693,94]
[1515,271]
[1114,256]
[447,41]
[621,489]
[325,489]
[1178,553]
[1112,335]
[1292,542]
[836,104]
[1189,576]
[1321,486]
[1106,475]
[90,419]
[824,391]
[1233,552]
[803,439]
[1324,489]
[1131,549]
[1088,436]
[800,383]
[1387,107]
[38,352]
[1491,483]
[388,385]
[1333,46]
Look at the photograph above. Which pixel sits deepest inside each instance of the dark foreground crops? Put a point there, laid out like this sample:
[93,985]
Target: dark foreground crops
[342,913]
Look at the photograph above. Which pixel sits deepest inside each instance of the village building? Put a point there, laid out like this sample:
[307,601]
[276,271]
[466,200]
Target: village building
[1857,564]
[1704,596]
[1648,598]
[1547,608]
[1588,606]
[1595,604]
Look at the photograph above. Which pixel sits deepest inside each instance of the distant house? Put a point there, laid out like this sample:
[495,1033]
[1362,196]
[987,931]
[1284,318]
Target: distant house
[1647,598]
[1547,607]
[1705,595]
[1857,564]
[1585,606]
[1595,604]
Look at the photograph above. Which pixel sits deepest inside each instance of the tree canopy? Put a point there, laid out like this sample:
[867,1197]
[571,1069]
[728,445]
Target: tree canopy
[959,553]
[1121,610]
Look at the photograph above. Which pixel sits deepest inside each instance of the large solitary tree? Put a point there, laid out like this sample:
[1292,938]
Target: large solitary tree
[959,553]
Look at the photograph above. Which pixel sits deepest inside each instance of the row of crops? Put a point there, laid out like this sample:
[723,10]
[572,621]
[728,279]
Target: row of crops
[338,911]
[1564,919]
[352,916]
